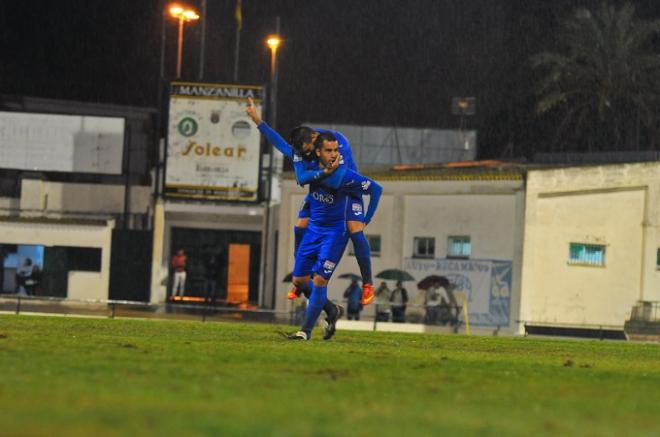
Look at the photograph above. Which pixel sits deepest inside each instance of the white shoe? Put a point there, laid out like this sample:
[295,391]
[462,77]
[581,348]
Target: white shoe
[300,335]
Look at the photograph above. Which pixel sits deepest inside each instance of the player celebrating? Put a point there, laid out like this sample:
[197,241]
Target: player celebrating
[324,242]
[307,171]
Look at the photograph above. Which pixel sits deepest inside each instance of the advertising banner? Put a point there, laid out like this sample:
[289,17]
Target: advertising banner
[63,143]
[212,147]
[486,284]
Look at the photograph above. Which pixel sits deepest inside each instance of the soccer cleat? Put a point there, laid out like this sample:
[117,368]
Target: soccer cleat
[367,294]
[331,327]
[300,335]
[293,294]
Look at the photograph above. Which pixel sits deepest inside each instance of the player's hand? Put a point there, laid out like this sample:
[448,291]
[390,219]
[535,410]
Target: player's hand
[251,111]
[333,165]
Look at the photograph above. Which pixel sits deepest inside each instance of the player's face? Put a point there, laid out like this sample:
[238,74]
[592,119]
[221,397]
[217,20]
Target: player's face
[328,152]
[308,148]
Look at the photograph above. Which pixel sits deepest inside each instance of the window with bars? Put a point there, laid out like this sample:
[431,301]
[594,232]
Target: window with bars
[586,254]
[459,246]
[424,247]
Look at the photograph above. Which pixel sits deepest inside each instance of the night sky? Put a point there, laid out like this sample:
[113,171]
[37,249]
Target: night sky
[373,62]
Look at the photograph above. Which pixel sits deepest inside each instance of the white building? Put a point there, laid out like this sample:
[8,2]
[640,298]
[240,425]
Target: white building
[462,223]
[572,247]
[591,244]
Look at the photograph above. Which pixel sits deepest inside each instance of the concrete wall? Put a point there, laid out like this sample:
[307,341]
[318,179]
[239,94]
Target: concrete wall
[69,197]
[83,285]
[616,206]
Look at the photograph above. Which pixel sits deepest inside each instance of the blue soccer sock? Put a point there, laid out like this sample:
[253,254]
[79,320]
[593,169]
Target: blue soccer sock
[330,307]
[316,302]
[298,234]
[362,255]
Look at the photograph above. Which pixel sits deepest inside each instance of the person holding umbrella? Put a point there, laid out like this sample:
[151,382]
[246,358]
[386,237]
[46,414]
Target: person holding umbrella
[383,310]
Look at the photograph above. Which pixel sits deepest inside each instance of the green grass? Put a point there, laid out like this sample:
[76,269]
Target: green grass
[75,376]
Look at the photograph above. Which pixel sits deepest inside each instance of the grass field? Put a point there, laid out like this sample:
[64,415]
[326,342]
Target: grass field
[75,376]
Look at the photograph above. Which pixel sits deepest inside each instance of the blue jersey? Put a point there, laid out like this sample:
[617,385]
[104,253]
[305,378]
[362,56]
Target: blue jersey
[328,201]
[324,242]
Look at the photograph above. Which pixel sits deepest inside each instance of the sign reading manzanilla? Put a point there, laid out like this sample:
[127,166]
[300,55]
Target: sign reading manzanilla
[212,147]
[486,284]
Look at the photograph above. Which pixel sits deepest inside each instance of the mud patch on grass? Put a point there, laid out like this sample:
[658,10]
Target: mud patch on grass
[333,374]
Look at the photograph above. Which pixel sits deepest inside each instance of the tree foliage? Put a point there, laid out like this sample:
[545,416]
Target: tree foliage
[601,84]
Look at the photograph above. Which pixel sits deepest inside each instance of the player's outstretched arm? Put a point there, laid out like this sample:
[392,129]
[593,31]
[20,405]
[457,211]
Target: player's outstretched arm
[271,135]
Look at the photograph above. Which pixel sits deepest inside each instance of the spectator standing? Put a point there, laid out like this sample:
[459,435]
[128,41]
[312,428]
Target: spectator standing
[383,294]
[212,274]
[179,265]
[354,295]
[436,300]
[399,300]
[24,281]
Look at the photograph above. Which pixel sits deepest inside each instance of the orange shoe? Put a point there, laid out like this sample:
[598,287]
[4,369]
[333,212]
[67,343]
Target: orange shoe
[293,294]
[367,294]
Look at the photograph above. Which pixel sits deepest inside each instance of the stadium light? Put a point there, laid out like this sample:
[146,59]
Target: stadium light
[184,15]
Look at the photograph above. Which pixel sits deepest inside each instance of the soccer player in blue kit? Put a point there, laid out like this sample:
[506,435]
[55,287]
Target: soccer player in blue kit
[307,171]
[324,242]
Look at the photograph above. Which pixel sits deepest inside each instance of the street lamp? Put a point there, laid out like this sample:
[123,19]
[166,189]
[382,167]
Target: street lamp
[273,43]
[183,14]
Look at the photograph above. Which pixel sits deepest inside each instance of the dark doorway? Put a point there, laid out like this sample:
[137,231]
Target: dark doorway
[130,265]
[235,269]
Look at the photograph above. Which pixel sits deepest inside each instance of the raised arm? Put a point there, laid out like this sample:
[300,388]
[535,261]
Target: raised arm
[271,135]
[276,139]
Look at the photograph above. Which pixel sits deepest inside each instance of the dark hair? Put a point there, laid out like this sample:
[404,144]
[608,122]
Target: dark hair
[298,136]
[324,136]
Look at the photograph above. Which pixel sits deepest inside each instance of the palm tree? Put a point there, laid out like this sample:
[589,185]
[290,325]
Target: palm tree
[603,81]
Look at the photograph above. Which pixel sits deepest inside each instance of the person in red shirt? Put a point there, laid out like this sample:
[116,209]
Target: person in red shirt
[179,262]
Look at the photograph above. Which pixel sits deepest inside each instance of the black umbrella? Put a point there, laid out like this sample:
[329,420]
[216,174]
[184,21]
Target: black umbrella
[351,276]
[395,275]
[427,282]
[288,277]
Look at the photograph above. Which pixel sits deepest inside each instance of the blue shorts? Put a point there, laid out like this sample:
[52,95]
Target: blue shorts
[320,252]
[354,209]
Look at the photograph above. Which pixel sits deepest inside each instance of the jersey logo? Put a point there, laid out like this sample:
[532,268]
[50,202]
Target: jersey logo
[328,267]
[297,158]
[323,198]
[357,209]
[365,185]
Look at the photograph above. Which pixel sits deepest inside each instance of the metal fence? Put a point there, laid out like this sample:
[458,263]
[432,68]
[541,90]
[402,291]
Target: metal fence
[450,317]
[646,311]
